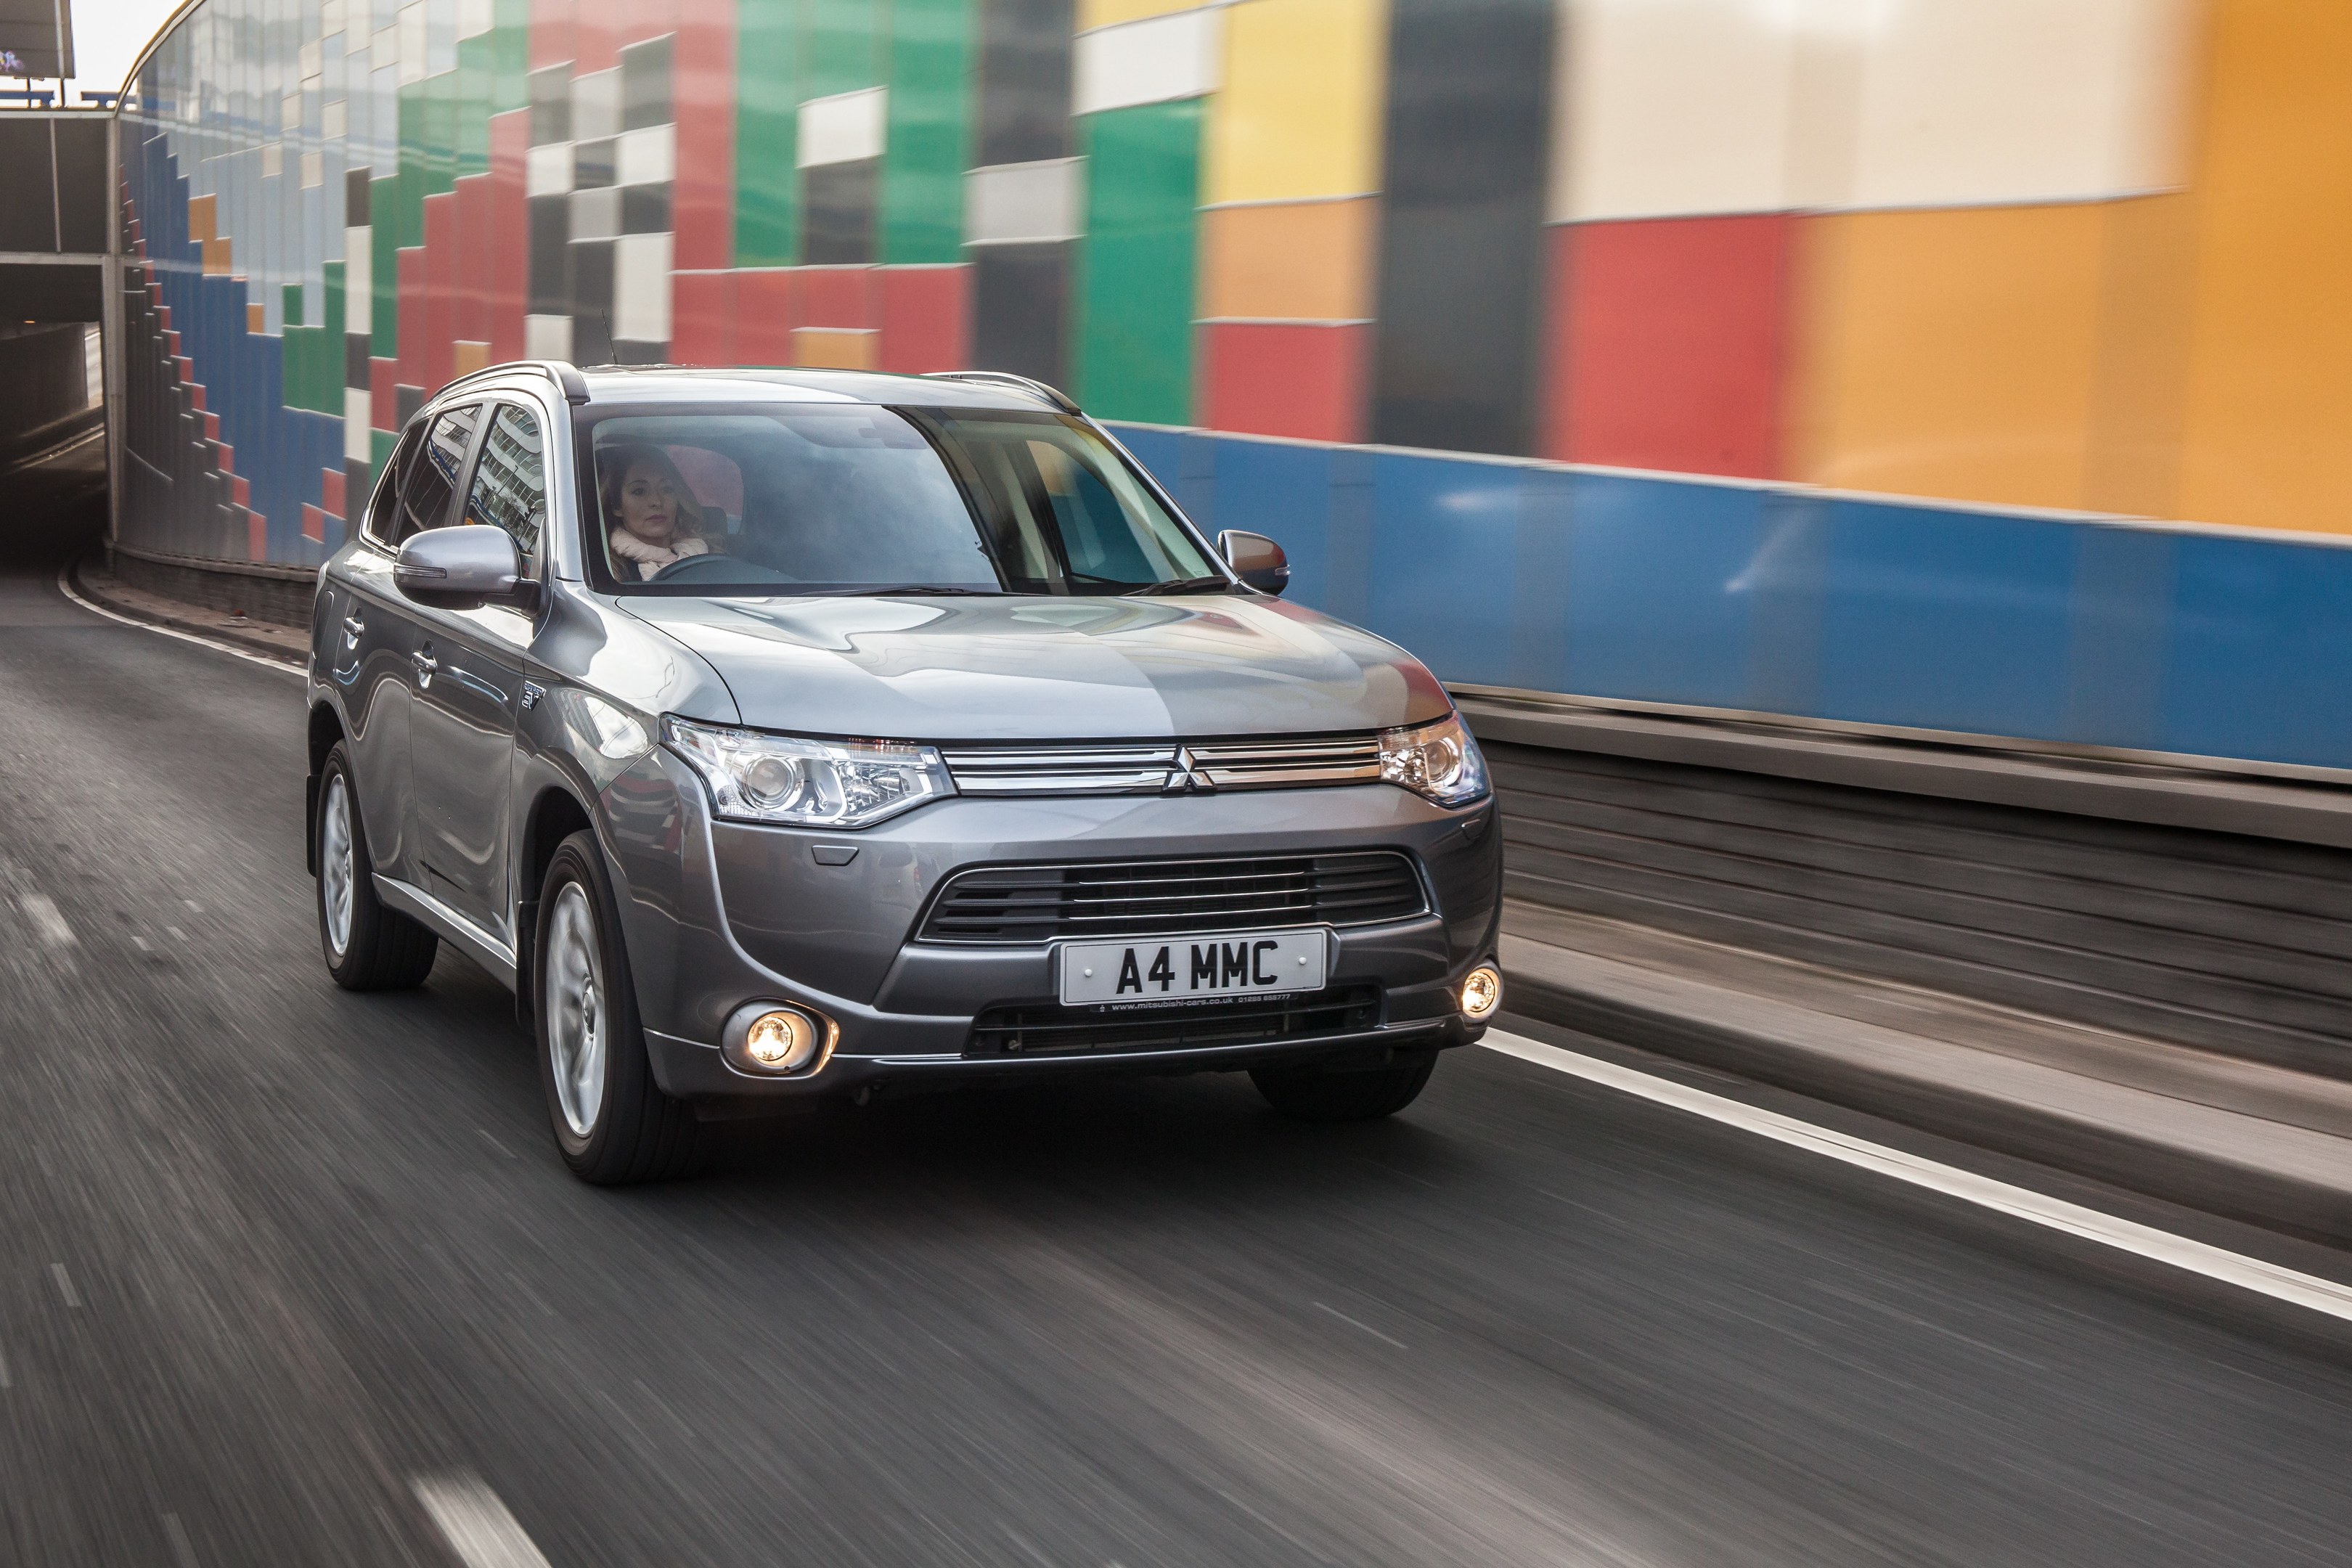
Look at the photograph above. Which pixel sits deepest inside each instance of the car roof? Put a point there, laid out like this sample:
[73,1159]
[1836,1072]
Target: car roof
[687,383]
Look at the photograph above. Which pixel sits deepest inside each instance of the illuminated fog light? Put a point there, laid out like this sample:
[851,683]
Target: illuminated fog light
[768,1039]
[1482,993]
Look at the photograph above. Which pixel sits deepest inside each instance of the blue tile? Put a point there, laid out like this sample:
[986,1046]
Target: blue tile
[1946,620]
[2260,639]
[1442,536]
[1283,492]
[1662,583]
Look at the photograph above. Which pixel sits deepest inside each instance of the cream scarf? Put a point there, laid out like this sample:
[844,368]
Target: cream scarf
[651,558]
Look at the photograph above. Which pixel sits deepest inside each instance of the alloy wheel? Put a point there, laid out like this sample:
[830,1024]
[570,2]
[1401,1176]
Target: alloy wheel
[574,1003]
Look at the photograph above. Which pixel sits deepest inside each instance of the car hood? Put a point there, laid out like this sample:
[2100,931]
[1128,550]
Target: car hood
[1022,669]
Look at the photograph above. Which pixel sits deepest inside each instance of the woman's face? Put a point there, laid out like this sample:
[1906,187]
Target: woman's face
[649,504]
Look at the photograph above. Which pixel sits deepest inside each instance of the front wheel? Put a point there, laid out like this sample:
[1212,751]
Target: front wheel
[612,1123]
[368,947]
[1320,1094]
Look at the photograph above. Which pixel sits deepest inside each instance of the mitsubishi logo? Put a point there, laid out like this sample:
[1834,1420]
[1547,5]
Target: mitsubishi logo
[1188,775]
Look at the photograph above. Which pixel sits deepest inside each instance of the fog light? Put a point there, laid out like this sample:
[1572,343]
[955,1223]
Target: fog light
[1482,993]
[768,1039]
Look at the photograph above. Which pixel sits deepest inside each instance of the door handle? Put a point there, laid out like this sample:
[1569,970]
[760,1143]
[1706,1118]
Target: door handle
[425,664]
[353,626]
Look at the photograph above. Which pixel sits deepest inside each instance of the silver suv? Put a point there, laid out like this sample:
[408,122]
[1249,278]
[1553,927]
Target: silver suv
[787,734]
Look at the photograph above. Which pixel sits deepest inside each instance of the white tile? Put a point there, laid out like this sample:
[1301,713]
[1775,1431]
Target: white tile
[844,128]
[597,105]
[359,263]
[645,156]
[1965,102]
[475,17]
[641,288]
[1670,107]
[314,170]
[1013,204]
[547,337]
[290,113]
[1149,61]
[416,37]
[273,160]
[384,46]
[333,15]
[359,412]
[312,56]
[334,121]
[547,171]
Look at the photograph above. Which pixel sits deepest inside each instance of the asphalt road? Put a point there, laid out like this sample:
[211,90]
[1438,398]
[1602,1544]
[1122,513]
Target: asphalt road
[271,1255]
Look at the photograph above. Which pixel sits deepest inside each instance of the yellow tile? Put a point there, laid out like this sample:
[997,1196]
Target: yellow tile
[202,218]
[1299,110]
[2269,398]
[826,348]
[1105,13]
[1306,261]
[1949,353]
[470,357]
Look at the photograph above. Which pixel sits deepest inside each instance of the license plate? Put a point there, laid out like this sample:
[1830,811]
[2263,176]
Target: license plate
[1192,968]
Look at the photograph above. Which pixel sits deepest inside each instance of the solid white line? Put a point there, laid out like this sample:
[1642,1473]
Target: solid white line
[475,1523]
[64,1284]
[48,923]
[2018,1202]
[65,586]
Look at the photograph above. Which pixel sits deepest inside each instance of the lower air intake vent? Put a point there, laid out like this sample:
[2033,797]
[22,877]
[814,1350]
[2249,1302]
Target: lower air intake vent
[1031,904]
[1046,1030]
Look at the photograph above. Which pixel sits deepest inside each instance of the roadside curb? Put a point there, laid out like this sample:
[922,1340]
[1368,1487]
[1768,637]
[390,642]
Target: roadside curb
[280,645]
[2292,1180]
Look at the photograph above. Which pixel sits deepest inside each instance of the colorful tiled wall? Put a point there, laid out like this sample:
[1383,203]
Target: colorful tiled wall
[2025,260]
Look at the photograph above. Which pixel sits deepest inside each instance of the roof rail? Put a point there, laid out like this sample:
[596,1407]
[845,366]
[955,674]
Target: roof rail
[1054,395]
[574,387]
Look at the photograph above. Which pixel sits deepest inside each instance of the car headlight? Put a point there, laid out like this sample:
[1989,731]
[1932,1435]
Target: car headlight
[1439,761]
[799,783]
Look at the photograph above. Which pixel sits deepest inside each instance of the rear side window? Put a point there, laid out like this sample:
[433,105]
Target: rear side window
[431,476]
[510,488]
[384,512]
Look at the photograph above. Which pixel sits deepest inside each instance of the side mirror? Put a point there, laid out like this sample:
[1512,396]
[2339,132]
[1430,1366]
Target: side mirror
[1256,559]
[463,568]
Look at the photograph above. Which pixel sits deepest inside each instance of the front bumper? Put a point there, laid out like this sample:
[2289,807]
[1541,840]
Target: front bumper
[722,914]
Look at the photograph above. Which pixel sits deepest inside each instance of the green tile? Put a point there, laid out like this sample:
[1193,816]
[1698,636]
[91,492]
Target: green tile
[510,56]
[844,46]
[767,127]
[1134,303]
[470,104]
[926,152]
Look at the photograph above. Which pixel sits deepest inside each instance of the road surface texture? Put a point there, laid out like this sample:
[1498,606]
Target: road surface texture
[289,1276]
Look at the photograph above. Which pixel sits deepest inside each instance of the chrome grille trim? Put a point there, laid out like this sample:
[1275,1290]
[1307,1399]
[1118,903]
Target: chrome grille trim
[1171,767]
[1020,905]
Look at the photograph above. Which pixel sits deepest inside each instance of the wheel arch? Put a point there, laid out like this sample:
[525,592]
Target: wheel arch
[326,729]
[556,813]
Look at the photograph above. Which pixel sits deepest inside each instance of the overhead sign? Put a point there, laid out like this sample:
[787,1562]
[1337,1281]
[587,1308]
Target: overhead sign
[37,38]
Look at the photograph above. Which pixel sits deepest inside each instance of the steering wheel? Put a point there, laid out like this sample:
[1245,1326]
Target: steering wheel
[715,568]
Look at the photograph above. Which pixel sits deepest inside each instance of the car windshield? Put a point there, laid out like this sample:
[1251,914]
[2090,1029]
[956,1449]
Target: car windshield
[863,498]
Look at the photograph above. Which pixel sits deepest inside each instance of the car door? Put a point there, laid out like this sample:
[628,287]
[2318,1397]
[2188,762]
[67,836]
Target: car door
[370,647]
[469,687]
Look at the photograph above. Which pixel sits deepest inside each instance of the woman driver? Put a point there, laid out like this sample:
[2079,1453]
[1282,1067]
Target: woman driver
[658,522]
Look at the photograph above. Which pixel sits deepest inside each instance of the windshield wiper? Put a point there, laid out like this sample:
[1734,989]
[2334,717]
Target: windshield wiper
[910,588]
[1183,586]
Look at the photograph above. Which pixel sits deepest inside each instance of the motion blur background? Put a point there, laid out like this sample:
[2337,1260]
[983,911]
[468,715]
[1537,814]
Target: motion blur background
[1965,365]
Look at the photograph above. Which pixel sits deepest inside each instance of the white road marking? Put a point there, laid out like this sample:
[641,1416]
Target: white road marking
[64,1284]
[183,1551]
[176,932]
[5,1384]
[141,943]
[193,906]
[475,1523]
[48,923]
[2308,1291]
[65,586]
[1366,1327]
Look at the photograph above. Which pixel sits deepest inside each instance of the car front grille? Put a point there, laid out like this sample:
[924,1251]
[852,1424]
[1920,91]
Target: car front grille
[1031,904]
[1044,1030]
[1163,768]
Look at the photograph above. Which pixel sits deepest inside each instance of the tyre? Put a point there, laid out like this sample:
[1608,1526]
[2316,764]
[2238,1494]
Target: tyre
[368,947]
[1318,1093]
[612,1121]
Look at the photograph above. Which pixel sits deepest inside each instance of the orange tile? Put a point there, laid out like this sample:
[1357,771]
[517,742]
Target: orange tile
[257,319]
[828,348]
[471,357]
[1308,261]
[203,218]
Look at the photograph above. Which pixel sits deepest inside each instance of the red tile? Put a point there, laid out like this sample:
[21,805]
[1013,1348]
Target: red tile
[925,318]
[408,280]
[550,32]
[840,297]
[767,310]
[195,390]
[595,35]
[212,427]
[314,524]
[240,489]
[637,20]
[383,395]
[702,199]
[224,456]
[1665,344]
[438,356]
[702,318]
[511,233]
[331,491]
[1261,379]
